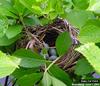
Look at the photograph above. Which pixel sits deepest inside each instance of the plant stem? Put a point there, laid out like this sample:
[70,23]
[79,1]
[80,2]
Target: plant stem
[6,81]
[21,19]
[14,83]
[51,64]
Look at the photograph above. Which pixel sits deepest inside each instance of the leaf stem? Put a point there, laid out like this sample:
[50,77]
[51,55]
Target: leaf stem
[21,19]
[51,64]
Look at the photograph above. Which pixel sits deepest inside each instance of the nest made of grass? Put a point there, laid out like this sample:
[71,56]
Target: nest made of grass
[34,38]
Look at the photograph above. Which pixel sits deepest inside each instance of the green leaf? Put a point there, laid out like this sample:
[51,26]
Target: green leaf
[28,4]
[11,21]
[98,44]
[63,43]
[81,4]
[78,17]
[67,5]
[52,15]
[94,6]
[20,72]
[89,33]
[83,67]
[46,81]
[49,80]
[60,74]
[29,80]
[92,2]
[20,9]
[37,9]
[92,54]
[57,82]
[95,22]
[50,6]
[6,8]
[45,21]
[0,84]
[29,59]
[7,66]
[31,21]
[23,53]
[59,7]
[31,62]
[4,41]
[3,25]
[13,31]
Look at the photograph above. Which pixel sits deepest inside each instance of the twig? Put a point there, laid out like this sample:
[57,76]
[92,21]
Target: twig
[35,37]
[57,29]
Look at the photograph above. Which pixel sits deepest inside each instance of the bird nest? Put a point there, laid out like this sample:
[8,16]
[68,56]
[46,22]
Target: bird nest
[34,38]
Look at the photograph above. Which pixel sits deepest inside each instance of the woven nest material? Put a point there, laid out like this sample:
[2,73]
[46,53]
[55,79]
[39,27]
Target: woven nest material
[34,38]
